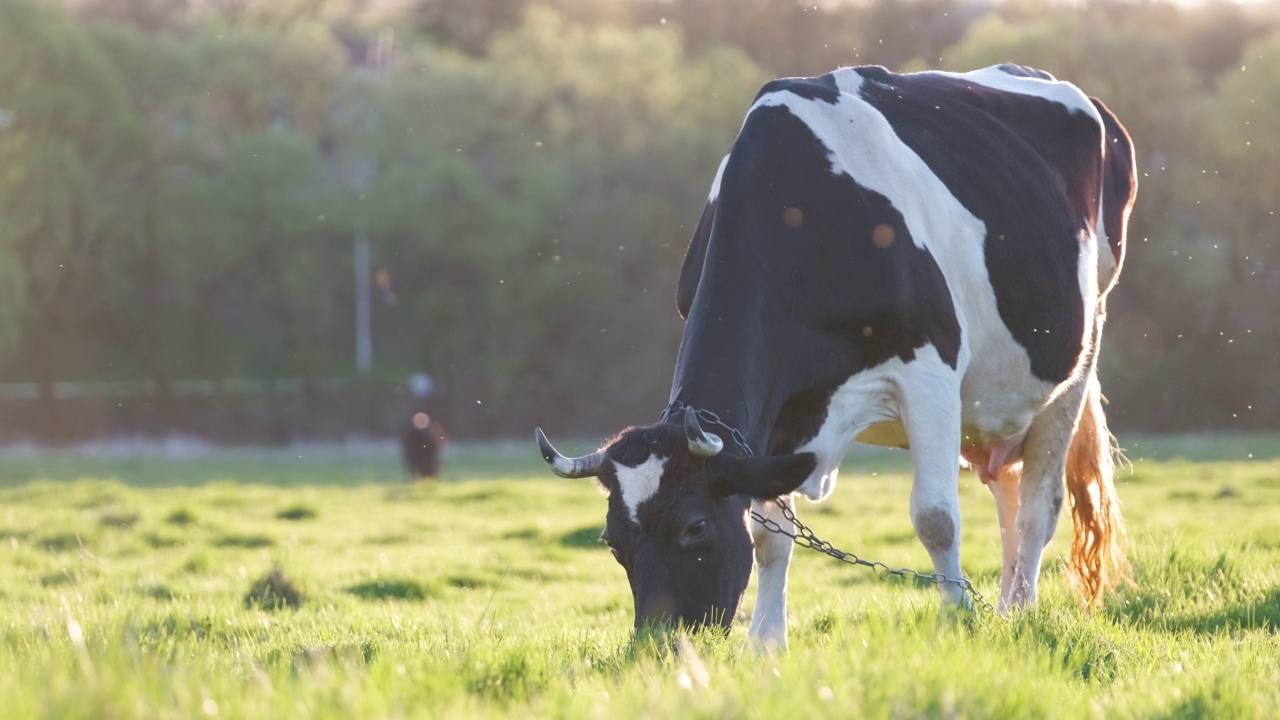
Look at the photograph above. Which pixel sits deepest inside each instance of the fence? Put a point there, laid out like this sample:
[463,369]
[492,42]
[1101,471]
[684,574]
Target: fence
[226,411]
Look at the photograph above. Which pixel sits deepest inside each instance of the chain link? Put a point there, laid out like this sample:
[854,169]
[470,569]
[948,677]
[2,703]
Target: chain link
[804,537]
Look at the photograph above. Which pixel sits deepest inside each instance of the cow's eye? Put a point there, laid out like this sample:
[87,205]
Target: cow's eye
[696,531]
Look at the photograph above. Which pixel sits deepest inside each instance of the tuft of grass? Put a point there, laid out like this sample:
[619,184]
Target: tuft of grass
[297,512]
[58,579]
[391,589]
[274,591]
[119,519]
[158,592]
[468,582]
[181,516]
[244,541]
[61,542]
[198,562]
[162,540]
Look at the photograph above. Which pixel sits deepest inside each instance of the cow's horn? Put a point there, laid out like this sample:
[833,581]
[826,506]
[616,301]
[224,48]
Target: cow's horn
[700,443]
[579,467]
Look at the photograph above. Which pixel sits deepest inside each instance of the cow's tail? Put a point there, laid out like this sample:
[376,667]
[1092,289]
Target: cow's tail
[1098,561]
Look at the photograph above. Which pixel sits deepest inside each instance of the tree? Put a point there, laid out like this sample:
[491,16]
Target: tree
[531,214]
[1238,273]
[467,25]
[250,220]
[69,152]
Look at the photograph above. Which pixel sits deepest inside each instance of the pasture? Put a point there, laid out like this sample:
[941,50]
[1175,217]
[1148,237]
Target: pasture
[123,585]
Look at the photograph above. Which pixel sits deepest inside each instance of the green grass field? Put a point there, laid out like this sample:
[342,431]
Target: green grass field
[123,584]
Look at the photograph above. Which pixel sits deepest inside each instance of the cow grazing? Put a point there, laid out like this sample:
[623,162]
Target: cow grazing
[421,445]
[917,260]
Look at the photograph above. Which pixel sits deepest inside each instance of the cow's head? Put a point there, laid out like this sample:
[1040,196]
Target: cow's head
[677,519]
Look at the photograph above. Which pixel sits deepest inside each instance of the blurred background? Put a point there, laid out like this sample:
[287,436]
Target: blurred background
[255,220]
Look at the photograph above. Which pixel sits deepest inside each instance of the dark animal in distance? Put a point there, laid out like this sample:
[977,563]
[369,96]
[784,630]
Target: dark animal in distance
[914,260]
[421,444]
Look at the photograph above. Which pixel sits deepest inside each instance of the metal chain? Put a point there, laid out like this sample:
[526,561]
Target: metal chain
[804,537]
[710,418]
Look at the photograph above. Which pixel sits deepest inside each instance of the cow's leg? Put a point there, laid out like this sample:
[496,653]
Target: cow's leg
[1005,490]
[768,630]
[1044,463]
[931,414]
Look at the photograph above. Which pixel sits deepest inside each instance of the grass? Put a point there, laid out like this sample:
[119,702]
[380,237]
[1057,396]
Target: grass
[127,590]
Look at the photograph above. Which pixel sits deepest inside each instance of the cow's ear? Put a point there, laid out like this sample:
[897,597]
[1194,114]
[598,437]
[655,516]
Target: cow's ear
[767,477]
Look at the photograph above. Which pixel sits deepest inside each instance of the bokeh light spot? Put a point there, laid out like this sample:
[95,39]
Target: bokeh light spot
[883,236]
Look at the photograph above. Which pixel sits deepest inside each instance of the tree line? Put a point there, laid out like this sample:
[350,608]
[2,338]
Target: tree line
[182,186]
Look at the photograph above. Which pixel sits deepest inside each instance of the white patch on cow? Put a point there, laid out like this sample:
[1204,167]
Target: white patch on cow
[867,399]
[715,184]
[1091,250]
[1063,93]
[869,408]
[638,484]
[931,410]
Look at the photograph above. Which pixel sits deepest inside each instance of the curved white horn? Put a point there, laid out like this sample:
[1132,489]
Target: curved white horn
[700,443]
[566,467]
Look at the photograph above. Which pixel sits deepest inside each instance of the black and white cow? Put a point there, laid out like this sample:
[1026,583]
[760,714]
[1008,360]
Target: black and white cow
[917,260]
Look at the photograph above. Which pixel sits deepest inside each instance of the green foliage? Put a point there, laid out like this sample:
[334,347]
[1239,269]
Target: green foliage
[483,597]
[68,124]
[529,171]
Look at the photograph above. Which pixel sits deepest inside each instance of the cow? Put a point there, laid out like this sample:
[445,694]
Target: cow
[913,260]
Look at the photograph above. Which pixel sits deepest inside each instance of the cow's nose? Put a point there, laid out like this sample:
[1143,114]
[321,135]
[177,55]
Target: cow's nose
[657,608]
